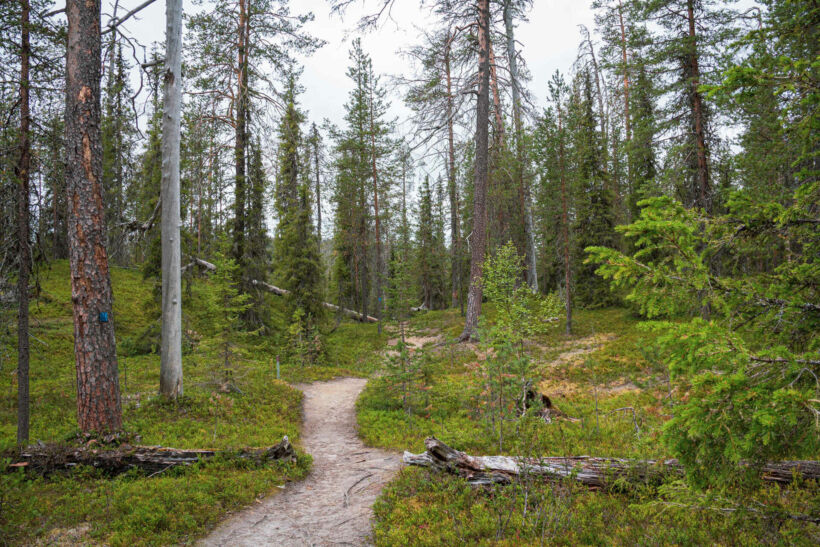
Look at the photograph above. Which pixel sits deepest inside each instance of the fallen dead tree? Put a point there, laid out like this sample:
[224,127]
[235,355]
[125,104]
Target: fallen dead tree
[46,458]
[350,313]
[592,472]
[284,292]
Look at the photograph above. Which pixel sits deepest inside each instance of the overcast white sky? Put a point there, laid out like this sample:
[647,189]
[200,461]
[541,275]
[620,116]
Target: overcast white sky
[549,42]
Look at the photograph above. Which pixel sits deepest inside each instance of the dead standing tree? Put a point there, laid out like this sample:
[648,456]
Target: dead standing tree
[478,241]
[170,380]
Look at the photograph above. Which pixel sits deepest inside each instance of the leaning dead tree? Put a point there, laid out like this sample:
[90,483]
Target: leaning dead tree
[284,292]
[592,472]
[44,458]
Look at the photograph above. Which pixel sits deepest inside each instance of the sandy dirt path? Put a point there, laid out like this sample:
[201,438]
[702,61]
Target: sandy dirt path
[333,505]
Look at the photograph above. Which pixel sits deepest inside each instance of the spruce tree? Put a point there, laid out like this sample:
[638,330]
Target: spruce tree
[296,248]
[593,201]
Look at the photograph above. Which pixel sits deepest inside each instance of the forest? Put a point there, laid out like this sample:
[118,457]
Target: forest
[483,305]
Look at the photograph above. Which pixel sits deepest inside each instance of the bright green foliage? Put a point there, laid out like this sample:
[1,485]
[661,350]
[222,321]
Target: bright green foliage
[519,315]
[220,307]
[751,370]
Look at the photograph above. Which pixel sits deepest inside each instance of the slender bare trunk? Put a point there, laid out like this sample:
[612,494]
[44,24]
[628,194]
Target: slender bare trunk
[627,119]
[565,222]
[703,196]
[170,376]
[523,184]
[375,173]
[499,120]
[455,236]
[98,392]
[23,176]
[479,235]
[318,191]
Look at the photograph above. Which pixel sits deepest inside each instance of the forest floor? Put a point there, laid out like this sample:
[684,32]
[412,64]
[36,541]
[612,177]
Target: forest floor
[333,505]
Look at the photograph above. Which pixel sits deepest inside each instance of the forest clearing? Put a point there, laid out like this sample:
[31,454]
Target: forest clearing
[449,272]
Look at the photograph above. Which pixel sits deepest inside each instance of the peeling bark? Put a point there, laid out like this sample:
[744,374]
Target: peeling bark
[592,472]
[98,393]
[478,239]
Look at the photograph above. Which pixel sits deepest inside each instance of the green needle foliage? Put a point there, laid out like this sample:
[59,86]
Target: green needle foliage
[520,315]
[750,365]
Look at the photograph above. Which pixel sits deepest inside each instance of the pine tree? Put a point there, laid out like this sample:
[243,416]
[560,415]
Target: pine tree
[363,165]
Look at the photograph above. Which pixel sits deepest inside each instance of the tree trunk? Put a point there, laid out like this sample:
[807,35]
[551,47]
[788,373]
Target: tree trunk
[592,472]
[455,236]
[24,250]
[526,196]
[150,459]
[240,137]
[478,241]
[703,188]
[318,189]
[565,222]
[497,109]
[627,120]
[98,392]
[375,173]
[170,376]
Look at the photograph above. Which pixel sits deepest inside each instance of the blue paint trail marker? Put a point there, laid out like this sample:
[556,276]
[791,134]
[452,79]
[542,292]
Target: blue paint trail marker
[103,317]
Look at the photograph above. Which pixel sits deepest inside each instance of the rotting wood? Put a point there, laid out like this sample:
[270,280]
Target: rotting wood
[47,458]
[592,472]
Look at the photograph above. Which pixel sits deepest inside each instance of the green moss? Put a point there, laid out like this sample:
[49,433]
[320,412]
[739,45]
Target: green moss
[179,505]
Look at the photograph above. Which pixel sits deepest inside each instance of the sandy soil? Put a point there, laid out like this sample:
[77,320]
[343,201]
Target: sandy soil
[332,506]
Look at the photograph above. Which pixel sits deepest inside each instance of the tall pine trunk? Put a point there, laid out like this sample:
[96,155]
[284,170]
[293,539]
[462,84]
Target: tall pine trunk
[703,189]
[565,222]
[23,170]
[379,296]
[478,240]
[98,391]
[455,236]
[170,376]
[523,185]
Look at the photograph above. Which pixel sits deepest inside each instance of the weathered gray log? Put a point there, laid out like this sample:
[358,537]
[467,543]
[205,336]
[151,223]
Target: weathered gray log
[350,313]
[592,472]
[44,458]
[284,292]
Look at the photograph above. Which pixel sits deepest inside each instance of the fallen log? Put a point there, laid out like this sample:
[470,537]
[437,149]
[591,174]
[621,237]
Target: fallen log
[46,458]
[284,292]
[592,472]
[350,313]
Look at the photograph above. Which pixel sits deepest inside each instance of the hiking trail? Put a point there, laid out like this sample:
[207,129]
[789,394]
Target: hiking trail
[333,505]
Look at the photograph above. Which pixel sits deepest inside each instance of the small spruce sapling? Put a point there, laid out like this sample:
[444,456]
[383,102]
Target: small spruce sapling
[520,314]
[222,307]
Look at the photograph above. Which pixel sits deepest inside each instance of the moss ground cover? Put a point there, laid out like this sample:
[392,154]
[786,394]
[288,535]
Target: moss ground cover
[179,505]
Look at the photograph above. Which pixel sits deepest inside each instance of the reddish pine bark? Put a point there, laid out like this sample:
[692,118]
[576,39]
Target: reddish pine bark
[98,393]
[22,174]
